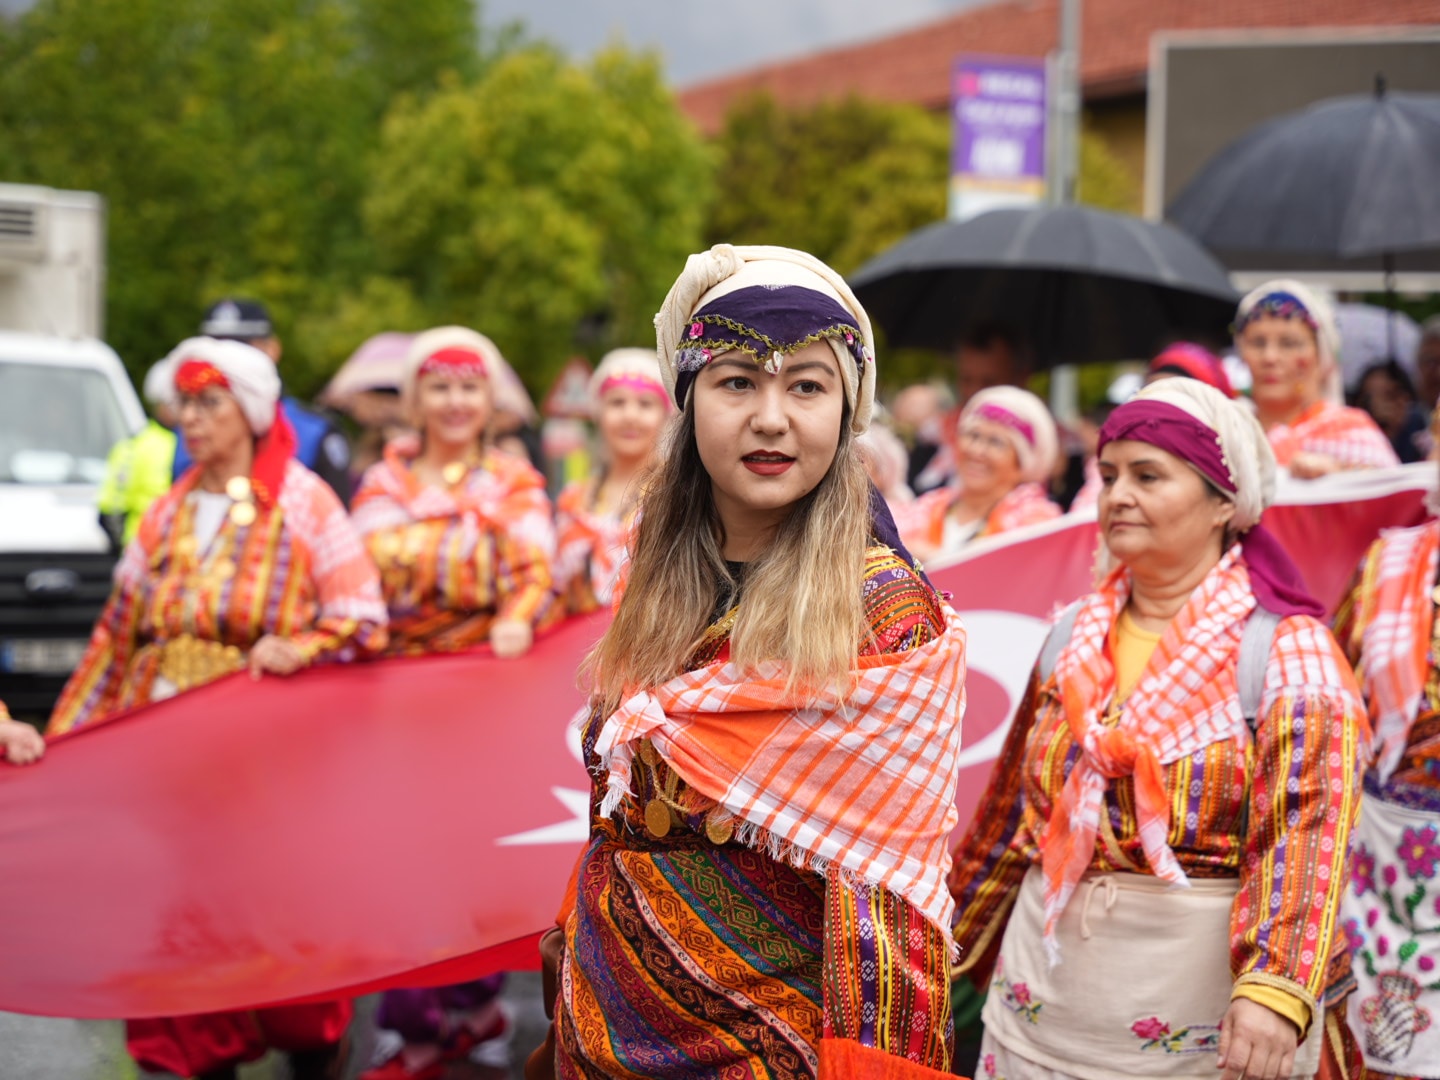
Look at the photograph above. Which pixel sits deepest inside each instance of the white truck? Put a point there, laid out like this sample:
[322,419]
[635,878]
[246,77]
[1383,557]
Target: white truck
[65,400]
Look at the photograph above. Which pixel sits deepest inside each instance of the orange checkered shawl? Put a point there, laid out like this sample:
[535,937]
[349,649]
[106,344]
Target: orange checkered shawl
[1185,700]
[1396,640]
[922,522]
[863,788]
[1347,435]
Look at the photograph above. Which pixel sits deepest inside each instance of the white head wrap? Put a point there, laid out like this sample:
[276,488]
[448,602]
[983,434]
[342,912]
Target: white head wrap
[1242,441]
[507,392]
[1327,330]
[712,274]
[159,387]
[632,363]
[1036,453]
[251,374]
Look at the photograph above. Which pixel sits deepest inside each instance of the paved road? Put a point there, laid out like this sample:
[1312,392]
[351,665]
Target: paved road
[39,1048]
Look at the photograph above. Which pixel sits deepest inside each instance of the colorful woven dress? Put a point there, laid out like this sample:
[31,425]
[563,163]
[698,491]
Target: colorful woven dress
[1392,914]
[183,613]
[697,946]
[591,551]
[1258,825]
[454,560]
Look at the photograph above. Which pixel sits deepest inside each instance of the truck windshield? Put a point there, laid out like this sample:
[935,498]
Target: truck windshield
[57,424]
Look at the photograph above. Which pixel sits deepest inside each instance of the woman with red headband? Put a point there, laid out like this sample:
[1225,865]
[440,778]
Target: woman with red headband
[594,516]
[463,537]
[1152,883]
[1005,447]
[248,562]
[463,533]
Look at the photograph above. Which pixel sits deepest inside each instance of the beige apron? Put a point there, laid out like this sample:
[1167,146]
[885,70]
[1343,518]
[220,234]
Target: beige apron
[1143,982]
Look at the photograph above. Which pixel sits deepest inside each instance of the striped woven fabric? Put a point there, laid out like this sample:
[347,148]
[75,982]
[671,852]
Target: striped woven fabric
[297,570]
[591,548]
[453,561]
[1347,435]
[690,954]
[1275,811]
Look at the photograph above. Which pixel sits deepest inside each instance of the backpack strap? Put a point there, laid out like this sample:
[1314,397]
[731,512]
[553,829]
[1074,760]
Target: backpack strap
[1056,641]
[1255,644]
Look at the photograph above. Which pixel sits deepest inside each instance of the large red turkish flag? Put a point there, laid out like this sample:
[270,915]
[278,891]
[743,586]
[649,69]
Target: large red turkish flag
[415,821]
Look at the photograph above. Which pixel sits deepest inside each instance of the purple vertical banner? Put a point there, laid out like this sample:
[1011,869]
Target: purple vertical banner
[998,153]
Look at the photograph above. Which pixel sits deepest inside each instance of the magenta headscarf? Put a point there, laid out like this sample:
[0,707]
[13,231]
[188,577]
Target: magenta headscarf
[1232,454]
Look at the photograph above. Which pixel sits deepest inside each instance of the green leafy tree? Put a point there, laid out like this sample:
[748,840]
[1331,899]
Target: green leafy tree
[547,204]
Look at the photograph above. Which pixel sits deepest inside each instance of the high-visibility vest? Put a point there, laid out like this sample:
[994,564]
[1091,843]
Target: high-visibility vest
[138,471]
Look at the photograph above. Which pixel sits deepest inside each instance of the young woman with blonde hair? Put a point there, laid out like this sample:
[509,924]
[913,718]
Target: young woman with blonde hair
[773,750]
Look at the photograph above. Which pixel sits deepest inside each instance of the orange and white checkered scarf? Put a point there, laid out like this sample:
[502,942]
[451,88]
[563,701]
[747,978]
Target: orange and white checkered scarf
[599,540]
[862,788]
[1396,641]
[1186,699]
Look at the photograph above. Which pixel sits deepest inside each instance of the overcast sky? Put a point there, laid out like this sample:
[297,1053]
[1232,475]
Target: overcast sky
[701,40]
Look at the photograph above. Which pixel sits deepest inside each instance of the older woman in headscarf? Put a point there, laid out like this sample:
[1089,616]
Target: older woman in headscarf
[1387,625]
[249,561]
[886,462]
[774,730]
[594,516]
[1190,723]
[1286,334]
[1005,448]
[462,532]
[1179,360]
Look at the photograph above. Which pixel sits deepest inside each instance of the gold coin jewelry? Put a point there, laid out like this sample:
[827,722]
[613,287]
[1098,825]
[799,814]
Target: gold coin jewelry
[720,830]
[648,753]
[224,569]
[238,488]
[455,472]
[657,818]
[243,514]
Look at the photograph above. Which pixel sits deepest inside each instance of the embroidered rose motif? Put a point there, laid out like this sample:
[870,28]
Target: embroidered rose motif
[849,338]
[1151,1028]
[1353,935]
[1419,850]
[696,329]
[989,1065]
[1022,993]
[1363,873]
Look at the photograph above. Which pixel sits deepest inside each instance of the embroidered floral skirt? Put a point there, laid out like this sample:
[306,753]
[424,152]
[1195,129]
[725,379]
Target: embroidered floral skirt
[1392,917]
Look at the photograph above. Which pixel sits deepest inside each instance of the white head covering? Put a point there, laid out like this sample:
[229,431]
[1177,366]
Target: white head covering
[250,373]
[631,363]
[1242,441]
[1327,330]
[1035,451]
[507,392]
[159,387]
[712,274]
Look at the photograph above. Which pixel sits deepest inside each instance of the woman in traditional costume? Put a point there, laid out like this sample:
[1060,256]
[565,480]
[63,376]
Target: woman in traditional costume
[594,516]
[773,757]
[1005,447]
[462,532]
[1387,625]
[249,561]
[1286,335]
[463,537]
[1190,723]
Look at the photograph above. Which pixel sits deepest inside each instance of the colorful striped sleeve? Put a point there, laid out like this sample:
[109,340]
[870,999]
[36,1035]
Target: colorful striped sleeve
[1305,794]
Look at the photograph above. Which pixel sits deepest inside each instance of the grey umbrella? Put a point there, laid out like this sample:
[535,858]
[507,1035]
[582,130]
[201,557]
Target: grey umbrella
[1081,284]
[1348,177]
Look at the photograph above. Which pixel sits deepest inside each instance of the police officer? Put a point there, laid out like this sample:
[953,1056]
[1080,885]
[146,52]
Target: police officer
[319,444]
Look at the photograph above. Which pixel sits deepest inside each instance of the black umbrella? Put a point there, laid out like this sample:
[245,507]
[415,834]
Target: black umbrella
[1080,284]
[1345,178]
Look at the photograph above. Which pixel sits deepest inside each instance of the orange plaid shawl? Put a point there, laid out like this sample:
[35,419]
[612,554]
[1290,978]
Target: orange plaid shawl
[1395,647]
[863,788]
[1185,700]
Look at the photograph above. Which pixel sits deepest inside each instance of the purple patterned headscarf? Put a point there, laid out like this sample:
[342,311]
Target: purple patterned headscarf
[767,323]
